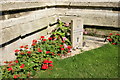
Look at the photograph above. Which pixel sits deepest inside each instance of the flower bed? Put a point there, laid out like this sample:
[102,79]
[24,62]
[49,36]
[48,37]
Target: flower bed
[39,56]
[114,38]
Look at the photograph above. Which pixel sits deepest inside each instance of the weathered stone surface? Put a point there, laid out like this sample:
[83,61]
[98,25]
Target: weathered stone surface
[93,17]
[10,33]
[95,4]
[77,33]
[32,16]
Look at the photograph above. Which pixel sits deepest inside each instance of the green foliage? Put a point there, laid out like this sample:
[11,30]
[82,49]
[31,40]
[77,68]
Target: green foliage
[114,38]
[39,57]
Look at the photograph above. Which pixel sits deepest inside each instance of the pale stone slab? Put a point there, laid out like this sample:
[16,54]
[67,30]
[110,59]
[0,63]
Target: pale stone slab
[77,33]
[92,17]
[10,33]
[32,16]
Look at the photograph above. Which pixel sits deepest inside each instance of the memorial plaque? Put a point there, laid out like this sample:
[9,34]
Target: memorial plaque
[77,33]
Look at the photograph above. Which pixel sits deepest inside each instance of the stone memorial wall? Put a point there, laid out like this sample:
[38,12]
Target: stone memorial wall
[21,21]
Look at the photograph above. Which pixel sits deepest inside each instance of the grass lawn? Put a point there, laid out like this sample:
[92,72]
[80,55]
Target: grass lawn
[98,63]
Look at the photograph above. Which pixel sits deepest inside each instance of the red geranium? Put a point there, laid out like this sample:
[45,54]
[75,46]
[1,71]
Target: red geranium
[44,66]
[34,41]
[63,41]
[5,61]
[62,48]
[39,50]
[29,52]
[45,61]
[21,46]
[33,44]
[58,54]
[109,39]
[114,43]
[48,52]
[69,47]
[61,45]
[50,62]
[21,53]
[10,69]
[111,34]
[117,34]
[26,48]
[42,37]
[10,61]
[17,50]
[50,38]
[15,76]
[16,61]
[53,54]
[50,65]
[22,66]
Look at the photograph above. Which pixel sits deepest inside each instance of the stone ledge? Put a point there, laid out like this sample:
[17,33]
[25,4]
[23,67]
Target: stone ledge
[5,6]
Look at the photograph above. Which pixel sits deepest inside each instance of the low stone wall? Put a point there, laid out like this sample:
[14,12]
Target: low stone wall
[21,22]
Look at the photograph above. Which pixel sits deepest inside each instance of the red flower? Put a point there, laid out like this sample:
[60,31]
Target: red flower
[63,41]
[50,65]
[10,69]
[109,39]
[34,41]
[48,52]
[50,62]
[26,48]
[10,61]
[22,66]
[50,38]
[69,47]
[26,45]
[52,53]
[45,61]
[5,61]
[114,43]
[15,76]
[62,48]
[21,53]
[9,65]
[117,34]
[61,45]
[39,50]
[44,66]
[21,46]
[110,33]
[33,44]
[29,52]
[17,50]
[58,54]
[42,37]
[16,61]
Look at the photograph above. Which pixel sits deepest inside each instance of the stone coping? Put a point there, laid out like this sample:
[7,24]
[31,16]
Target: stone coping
[13,5]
